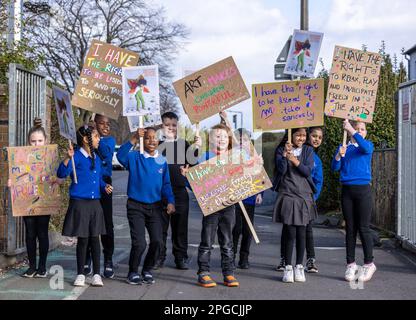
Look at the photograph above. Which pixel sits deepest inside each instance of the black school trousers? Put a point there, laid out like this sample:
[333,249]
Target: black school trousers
[178,222]
[356,201]
[143,216]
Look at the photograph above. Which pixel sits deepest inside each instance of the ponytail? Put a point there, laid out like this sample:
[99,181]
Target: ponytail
[86,131]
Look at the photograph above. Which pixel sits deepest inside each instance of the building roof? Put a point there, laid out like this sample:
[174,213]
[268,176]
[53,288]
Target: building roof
[411,50]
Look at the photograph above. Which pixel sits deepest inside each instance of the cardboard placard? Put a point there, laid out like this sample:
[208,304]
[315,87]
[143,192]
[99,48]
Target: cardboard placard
[99,88]
[288,104]
[353,84]
[303,53]
[151,120]
[32,171]
[225,180]
[141,91]
[64,113]
[211,90]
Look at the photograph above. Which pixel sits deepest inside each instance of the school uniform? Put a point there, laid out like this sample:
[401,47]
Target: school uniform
[221,223]
[295,206]
[84,218]
[317,178]
[148,182]
[177,153]
[105,153]
[356,198]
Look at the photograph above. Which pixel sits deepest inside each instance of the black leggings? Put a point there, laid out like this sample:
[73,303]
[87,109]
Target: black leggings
[310,245]
[37,228]
[82,245]
[356,208]
[291,234]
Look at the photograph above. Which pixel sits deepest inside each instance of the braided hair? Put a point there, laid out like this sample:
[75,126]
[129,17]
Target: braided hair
[86,131]
[37,127]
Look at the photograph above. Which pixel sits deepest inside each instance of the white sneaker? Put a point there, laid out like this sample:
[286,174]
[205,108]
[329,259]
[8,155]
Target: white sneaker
[97,281]
[79,280]
[350,274]
[299,273]
[288,274]
[367,272]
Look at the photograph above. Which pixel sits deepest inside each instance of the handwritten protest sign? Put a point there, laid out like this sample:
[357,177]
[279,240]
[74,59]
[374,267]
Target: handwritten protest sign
[289,104]
[211,90]
[353,84]
[32,171]
[303,53]
[225,180]
[141,91]
[99,88]
[66,120]
[152,120]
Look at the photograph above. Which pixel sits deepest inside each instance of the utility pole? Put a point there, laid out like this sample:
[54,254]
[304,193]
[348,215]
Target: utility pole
[14,24]
[304,15]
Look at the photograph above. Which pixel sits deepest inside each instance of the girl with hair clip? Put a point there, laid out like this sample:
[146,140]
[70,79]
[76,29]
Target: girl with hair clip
[295,206]
[84,218]
[36,227]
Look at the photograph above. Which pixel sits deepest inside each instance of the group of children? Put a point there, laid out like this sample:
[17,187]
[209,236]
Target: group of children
[157,198]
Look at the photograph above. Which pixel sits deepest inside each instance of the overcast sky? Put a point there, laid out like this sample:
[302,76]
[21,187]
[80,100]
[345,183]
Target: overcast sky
[255,31]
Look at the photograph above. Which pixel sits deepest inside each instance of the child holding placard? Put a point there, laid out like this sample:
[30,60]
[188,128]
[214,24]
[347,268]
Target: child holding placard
[221,222]
[295,206]
[84,218]
[36,227]
[354,163]
[149,182]
[315,138]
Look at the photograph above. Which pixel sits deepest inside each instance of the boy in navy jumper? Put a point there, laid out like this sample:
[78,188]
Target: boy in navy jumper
[354,163]
[148,183]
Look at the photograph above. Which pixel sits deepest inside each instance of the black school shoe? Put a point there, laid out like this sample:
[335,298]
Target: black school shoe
[311,266]
[41,274]
[244,265]
[29,273]
[182,264]
[108,270]
[159,264]
[147,277]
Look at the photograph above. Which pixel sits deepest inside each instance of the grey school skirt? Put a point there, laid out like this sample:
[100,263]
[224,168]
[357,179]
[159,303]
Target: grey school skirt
[294,210]
[84,218]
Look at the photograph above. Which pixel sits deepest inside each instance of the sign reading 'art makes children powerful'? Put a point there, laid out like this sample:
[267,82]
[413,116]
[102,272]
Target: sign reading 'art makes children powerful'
[289,104]
[32,171]
[99,88]
[353,84]
[211,90]
[225,180]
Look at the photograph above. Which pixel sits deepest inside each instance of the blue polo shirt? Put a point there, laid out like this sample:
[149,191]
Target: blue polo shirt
[106,149]
[355,166]
[149,179]
[90,183]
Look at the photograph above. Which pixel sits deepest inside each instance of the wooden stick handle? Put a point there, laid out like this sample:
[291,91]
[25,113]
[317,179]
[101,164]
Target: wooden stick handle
[73,165]
[344,139]
[197,129]
[250,225]
[141,138]
[289,136]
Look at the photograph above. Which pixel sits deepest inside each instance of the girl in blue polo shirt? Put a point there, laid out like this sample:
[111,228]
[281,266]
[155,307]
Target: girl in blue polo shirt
[84,218]
[354,163]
